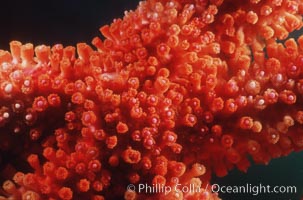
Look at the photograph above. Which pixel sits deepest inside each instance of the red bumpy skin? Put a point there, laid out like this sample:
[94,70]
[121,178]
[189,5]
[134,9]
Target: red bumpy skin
[177,90]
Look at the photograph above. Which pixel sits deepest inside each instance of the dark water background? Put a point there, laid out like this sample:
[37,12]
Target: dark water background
[69,22]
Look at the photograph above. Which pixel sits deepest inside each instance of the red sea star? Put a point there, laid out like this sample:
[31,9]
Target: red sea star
[176,91]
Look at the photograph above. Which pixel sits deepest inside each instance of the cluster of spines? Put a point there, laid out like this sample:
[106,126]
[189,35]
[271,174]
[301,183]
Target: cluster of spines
[170,78]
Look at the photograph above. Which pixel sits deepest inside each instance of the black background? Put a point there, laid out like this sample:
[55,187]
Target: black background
[51,22]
